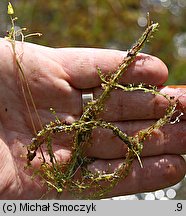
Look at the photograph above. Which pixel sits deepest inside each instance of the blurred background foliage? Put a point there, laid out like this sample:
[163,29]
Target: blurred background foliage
[112,24]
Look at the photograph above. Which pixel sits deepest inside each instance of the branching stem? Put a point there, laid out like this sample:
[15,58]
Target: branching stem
[62,176]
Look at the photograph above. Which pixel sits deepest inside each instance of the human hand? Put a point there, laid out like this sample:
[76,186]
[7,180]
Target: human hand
[57,78]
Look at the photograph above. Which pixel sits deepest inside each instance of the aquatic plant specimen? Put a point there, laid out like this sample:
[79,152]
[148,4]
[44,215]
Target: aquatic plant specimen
[63,176]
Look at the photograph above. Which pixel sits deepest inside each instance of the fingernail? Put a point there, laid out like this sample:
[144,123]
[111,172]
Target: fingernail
[177,86]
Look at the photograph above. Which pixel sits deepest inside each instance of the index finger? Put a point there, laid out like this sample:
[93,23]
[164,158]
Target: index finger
[81,66]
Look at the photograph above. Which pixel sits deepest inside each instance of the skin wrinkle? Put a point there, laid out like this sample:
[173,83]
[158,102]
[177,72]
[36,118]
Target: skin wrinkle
[82,63]
[63,66]
[17,181]
[16,151]
[29,191]
[7,163]
[62,75]
[121,107]
[24,176]
[3,157]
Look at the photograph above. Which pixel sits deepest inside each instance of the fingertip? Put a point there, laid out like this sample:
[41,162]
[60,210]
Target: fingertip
[174,169]
[160,70]
[146,69]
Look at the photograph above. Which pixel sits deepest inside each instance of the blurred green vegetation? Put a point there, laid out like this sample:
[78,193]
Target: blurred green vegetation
[109,24]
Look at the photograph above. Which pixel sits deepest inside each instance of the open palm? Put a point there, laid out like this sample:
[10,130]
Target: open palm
[57,78]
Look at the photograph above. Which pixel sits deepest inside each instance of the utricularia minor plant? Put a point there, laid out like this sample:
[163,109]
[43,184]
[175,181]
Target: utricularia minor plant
[61,176]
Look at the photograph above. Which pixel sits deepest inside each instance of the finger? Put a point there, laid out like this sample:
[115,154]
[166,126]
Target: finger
[170,139]
[139,105]
[119,106]
[158,172]
[81,66]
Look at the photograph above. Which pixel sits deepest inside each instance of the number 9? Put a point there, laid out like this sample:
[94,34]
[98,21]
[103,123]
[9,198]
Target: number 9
[179,206]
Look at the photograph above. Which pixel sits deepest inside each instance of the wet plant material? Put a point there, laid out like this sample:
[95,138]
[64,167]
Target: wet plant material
[63,176]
